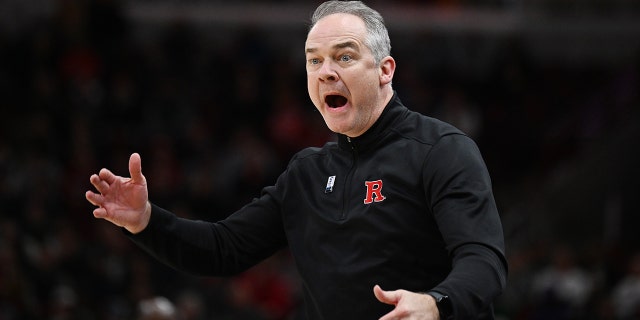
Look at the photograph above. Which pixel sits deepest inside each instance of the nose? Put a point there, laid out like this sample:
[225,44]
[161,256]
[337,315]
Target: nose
[327,72]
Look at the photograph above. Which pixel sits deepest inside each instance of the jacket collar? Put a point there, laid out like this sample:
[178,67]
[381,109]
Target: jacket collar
[391,112]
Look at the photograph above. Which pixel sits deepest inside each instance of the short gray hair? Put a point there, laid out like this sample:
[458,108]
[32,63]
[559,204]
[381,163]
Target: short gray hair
[377,38]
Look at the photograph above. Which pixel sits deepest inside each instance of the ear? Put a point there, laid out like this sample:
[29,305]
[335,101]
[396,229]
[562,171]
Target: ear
[387,68]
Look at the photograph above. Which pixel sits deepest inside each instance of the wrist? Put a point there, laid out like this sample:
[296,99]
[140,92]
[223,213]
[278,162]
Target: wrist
[143,221]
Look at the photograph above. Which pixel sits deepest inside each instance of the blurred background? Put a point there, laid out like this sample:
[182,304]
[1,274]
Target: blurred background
[213,95]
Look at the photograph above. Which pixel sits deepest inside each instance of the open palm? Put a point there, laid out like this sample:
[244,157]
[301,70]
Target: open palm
[120,200]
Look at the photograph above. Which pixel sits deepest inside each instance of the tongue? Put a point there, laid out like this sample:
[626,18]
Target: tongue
[336,101]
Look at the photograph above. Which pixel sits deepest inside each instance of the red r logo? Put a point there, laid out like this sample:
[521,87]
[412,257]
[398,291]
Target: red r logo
[374,188]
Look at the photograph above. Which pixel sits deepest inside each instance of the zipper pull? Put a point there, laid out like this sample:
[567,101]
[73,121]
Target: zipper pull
[351,143]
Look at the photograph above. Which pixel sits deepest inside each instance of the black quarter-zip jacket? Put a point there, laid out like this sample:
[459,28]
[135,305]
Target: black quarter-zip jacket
[407,205]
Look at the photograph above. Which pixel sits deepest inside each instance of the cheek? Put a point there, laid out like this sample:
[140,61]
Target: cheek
[312,88]
[361,87]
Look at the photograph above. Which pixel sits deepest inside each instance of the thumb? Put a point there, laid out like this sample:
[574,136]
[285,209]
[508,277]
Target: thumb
[388,297]
[135,168]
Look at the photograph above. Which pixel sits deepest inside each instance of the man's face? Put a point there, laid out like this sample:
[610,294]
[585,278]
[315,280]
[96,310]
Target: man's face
[344,82]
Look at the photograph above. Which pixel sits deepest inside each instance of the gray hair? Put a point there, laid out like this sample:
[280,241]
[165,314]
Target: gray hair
[377,38]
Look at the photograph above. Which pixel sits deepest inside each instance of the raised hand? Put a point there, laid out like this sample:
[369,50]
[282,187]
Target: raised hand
[122,201]
[409,305]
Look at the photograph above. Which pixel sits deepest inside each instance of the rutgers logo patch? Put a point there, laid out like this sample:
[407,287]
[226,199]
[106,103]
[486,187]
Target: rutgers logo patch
[374,191]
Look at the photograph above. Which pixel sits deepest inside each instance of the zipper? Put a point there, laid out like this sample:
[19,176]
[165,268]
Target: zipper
[347,180]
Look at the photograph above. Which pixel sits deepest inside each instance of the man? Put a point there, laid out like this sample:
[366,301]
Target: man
[401,201]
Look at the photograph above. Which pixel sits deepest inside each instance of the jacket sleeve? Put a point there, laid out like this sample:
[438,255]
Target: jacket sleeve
[222,248]
[458,188]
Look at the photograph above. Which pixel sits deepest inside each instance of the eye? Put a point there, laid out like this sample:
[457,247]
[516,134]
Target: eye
[345,58]
[314,61]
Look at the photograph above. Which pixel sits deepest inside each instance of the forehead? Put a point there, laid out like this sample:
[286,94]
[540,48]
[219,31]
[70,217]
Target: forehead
[336,28]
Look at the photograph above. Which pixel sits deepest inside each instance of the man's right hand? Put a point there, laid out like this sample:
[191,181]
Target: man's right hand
[122,201]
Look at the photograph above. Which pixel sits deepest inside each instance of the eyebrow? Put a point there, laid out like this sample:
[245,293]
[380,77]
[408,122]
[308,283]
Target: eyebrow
[341,45]
[346,44]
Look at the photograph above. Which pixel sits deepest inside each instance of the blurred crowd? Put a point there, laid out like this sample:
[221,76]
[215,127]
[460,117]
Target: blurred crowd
[215,123]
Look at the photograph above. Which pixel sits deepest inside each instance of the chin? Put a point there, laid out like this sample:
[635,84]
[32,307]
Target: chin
[337,126]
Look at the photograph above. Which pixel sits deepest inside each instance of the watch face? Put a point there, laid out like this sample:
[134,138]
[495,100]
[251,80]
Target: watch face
[443,303]
[444,307]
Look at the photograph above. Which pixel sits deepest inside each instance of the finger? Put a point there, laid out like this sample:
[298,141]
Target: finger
[107,175]
[100,213]
[100,185]
[135,168]
[94,198]
[388,297]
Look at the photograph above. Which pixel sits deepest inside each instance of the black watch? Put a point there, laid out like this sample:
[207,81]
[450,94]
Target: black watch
[443,303]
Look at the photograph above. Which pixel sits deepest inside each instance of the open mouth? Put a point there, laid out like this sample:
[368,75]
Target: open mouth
[335,101]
